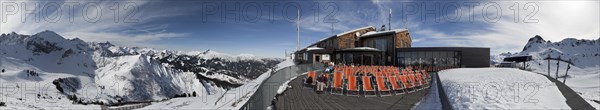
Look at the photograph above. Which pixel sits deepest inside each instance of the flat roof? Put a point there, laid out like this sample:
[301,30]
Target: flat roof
[518,58]
[438,48]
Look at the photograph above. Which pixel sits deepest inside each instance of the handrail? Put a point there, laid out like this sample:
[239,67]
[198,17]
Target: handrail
[256,101]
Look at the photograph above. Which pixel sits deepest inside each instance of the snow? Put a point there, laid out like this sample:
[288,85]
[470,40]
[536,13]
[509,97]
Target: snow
[348,32]
[313,48]
[133,72]
[400,30]
[500,88]
[364,49]
[19,91]
[585,81]
[584,75]
[394,30]
[285,85]
[222,77]
[370,33]
[99,72]
[286,63]
[210,54]
[232,99]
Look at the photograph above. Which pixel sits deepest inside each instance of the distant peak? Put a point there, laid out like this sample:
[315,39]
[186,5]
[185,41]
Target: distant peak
[50,36]
[10,34]
[208,51]
[106,43]
[47,32]
[537,38]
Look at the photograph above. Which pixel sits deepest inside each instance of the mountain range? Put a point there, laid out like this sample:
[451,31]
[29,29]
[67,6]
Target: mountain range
[112,74]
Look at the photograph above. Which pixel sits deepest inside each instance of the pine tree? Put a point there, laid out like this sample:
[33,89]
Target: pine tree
[194,94]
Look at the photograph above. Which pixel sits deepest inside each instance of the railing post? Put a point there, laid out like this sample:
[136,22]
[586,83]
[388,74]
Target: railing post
[557,67]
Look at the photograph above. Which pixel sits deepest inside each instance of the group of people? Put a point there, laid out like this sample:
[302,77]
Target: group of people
[321,81]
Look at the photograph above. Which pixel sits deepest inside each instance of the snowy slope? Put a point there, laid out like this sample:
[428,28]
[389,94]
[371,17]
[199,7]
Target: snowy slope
[584,75]
[500,88]
[232,99]
[226,71]
[49,51]
[143,79]
[102,73]
[21,90]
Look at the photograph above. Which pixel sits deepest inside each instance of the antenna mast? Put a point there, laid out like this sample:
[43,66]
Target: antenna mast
[298,30]
[390,20]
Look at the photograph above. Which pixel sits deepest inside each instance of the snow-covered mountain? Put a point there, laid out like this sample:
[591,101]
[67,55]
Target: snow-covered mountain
[496,59]
[584,73]
[91,72]
[226,71]
[583,53]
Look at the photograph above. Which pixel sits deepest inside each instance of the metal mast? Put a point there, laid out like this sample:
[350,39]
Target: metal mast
[298,30]
[390,20]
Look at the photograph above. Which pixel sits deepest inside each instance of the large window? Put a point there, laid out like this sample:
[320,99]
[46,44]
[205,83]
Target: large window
[348,58]
[429,58]
[381,44]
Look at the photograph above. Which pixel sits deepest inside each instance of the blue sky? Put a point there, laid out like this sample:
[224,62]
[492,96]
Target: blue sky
[188,25]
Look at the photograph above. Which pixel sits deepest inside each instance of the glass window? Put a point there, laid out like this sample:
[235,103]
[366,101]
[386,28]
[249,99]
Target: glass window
[426,58]
[401,44]
[347,58]
[380,44]
[436,58]
[422,58]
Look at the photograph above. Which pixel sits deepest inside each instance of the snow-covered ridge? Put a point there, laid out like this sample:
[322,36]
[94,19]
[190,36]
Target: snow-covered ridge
[496,59]
[583,53]
[136,74]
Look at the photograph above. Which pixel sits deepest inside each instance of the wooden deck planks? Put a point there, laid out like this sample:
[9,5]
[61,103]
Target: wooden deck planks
[300,98]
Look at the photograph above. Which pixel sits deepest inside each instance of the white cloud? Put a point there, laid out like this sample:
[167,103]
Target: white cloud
[142,40]
[557,20]
[120,22]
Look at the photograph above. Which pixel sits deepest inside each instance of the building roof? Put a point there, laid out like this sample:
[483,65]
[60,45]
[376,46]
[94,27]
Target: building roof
[362,49]
[314,48]
[380,33]
[518,58]
[368,34]
[334,36]
[362,28]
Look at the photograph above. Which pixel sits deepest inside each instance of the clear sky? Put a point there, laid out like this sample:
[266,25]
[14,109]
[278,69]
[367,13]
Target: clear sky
[267,27]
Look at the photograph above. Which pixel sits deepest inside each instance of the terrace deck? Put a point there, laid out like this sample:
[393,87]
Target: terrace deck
[303,98]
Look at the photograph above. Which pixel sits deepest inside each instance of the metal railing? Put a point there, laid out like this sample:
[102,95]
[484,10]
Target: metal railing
[267,91]
[125,107]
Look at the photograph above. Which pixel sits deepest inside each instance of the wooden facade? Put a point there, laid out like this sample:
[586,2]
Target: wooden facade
[349,39]
[349,47]
[403,40]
